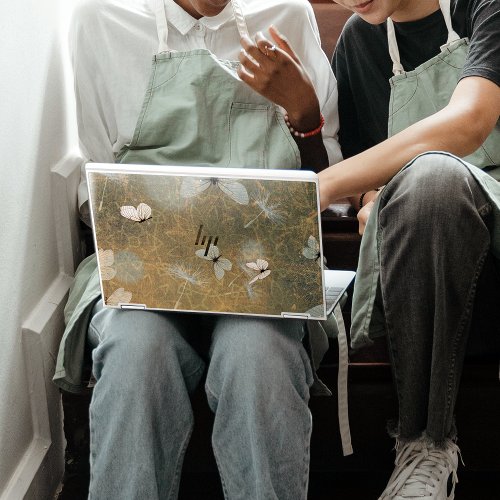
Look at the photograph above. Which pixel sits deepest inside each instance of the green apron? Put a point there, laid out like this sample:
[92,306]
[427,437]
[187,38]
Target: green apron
[416,95]
[197,111]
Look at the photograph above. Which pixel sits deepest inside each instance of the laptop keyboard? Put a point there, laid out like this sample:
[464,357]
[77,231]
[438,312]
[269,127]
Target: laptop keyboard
[332,294]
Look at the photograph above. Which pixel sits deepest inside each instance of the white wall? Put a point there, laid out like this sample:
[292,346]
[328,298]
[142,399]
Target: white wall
[35,137]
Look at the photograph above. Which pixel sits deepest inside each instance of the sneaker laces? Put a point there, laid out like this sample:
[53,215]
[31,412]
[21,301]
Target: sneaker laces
[421,470]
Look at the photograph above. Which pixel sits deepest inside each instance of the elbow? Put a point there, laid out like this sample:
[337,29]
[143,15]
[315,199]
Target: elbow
[478,134]
[475,129]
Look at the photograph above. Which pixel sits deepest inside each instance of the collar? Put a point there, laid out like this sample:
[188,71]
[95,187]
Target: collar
[183,22]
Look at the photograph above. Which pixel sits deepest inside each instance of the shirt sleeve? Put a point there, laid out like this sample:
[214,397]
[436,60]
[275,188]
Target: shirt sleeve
[318,67]
[93,109]
[301,29]
[484,33]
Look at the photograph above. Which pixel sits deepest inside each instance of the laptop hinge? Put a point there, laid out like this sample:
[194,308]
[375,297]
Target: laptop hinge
[133,306]
[295,315]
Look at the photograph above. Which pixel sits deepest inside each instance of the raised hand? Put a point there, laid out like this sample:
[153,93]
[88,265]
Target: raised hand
[275,71]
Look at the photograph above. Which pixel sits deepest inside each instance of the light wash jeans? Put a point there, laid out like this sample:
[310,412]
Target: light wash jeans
[437,280]
[141,419]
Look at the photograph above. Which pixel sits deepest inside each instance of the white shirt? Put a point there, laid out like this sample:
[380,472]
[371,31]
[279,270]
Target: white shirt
[112,43]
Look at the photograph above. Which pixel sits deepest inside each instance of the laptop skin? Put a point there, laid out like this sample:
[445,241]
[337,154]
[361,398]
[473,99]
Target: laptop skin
[208,244]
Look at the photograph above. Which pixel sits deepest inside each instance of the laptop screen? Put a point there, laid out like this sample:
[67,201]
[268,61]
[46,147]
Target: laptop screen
[237,241]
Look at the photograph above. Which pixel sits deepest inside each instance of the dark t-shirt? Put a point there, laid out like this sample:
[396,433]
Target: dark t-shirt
[363,67]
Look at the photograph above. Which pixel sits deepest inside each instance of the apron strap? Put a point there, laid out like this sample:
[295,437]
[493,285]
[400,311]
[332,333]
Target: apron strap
[397,67]
[240,19]
[452,34]
[158,7]
[342,401]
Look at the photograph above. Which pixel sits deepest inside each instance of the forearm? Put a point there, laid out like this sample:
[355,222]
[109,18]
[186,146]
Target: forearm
[443,131]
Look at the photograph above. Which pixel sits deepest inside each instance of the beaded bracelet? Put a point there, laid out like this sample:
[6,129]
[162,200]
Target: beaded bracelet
[303,135]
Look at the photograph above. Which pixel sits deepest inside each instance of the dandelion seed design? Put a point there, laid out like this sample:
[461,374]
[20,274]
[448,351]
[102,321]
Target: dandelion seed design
[221,264]
[267,210]
[260,265]
[181,272]
[235,190]
[139,214]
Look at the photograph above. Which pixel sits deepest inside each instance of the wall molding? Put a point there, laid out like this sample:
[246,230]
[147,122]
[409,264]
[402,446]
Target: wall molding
[65,182]
[42,465]
[39,472]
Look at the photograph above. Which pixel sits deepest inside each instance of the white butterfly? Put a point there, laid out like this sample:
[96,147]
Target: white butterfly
[106,260]
[221,264]
[119,296]
[235,190]
[262,266]
[311,251]
[139,214]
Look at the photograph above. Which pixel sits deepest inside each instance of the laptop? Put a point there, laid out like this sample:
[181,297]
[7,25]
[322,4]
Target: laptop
[211,240]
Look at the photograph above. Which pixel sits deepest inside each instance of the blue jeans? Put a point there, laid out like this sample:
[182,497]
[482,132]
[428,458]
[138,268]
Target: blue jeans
[434,241]
[141,418]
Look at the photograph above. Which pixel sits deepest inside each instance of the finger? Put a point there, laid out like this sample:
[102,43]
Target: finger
[248,63]
[282,42]
[266,47]
[253,51]
[246,76]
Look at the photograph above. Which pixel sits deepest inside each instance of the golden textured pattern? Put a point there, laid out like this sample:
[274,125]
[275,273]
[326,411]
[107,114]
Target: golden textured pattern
[147,227]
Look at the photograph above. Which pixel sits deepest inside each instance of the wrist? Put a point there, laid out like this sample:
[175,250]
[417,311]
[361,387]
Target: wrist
[305,119]
[301,133]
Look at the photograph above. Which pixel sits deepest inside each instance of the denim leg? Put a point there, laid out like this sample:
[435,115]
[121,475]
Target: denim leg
[140,414]
[433,241]
[258,386]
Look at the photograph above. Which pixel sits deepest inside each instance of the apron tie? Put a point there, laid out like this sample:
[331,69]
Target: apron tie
[342,401]
[397,67]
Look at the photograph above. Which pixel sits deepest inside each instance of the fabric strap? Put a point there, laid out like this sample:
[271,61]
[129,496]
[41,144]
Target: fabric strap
[397,68]
[342,401]
[158,7]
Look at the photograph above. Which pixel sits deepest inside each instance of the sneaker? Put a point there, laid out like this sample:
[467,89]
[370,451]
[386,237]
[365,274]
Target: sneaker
[422,471]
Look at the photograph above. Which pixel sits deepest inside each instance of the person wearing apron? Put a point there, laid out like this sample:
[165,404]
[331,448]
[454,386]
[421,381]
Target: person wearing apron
[428,273]
[196,111]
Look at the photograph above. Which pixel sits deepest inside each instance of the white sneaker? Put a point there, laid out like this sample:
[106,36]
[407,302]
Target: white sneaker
[422,471]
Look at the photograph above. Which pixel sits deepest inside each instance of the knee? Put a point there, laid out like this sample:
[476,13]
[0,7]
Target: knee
[141,345]
[433,185]
[255,353]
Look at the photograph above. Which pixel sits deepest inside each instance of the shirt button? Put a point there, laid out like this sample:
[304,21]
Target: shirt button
[198,27]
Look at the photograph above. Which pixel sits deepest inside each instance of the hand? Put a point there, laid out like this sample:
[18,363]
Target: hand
[275,72]
[363,216]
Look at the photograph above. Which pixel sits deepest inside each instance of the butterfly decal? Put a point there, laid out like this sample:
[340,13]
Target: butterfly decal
[119,296]
[106,260]
[311,251]
[221,264]
[235,190]
[139,214]
[260,265]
